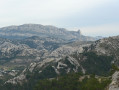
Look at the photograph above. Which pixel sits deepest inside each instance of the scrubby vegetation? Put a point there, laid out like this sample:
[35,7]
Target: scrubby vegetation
[97,64]
[73,82]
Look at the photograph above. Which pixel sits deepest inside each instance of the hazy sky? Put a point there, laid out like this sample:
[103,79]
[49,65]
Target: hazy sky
[92,17]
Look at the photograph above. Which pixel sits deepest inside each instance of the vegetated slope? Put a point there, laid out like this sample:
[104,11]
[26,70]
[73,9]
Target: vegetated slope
[74,81]
[96,58]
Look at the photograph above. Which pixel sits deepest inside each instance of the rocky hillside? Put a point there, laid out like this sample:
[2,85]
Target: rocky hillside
[25,51]
[17,55]
[29,30]
[96,58]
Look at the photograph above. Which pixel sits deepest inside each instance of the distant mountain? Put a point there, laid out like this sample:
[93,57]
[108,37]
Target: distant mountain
[98,37]
[28,30]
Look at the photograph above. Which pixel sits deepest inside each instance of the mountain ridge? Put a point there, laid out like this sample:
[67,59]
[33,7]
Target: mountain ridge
[28,30]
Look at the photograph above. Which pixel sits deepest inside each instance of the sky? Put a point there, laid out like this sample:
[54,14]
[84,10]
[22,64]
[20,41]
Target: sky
[92,17]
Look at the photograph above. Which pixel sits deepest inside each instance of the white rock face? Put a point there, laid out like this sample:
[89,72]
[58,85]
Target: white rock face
[63,51]
[19,79]
[115,81]
[32,65]
[61,64]
[67,50]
